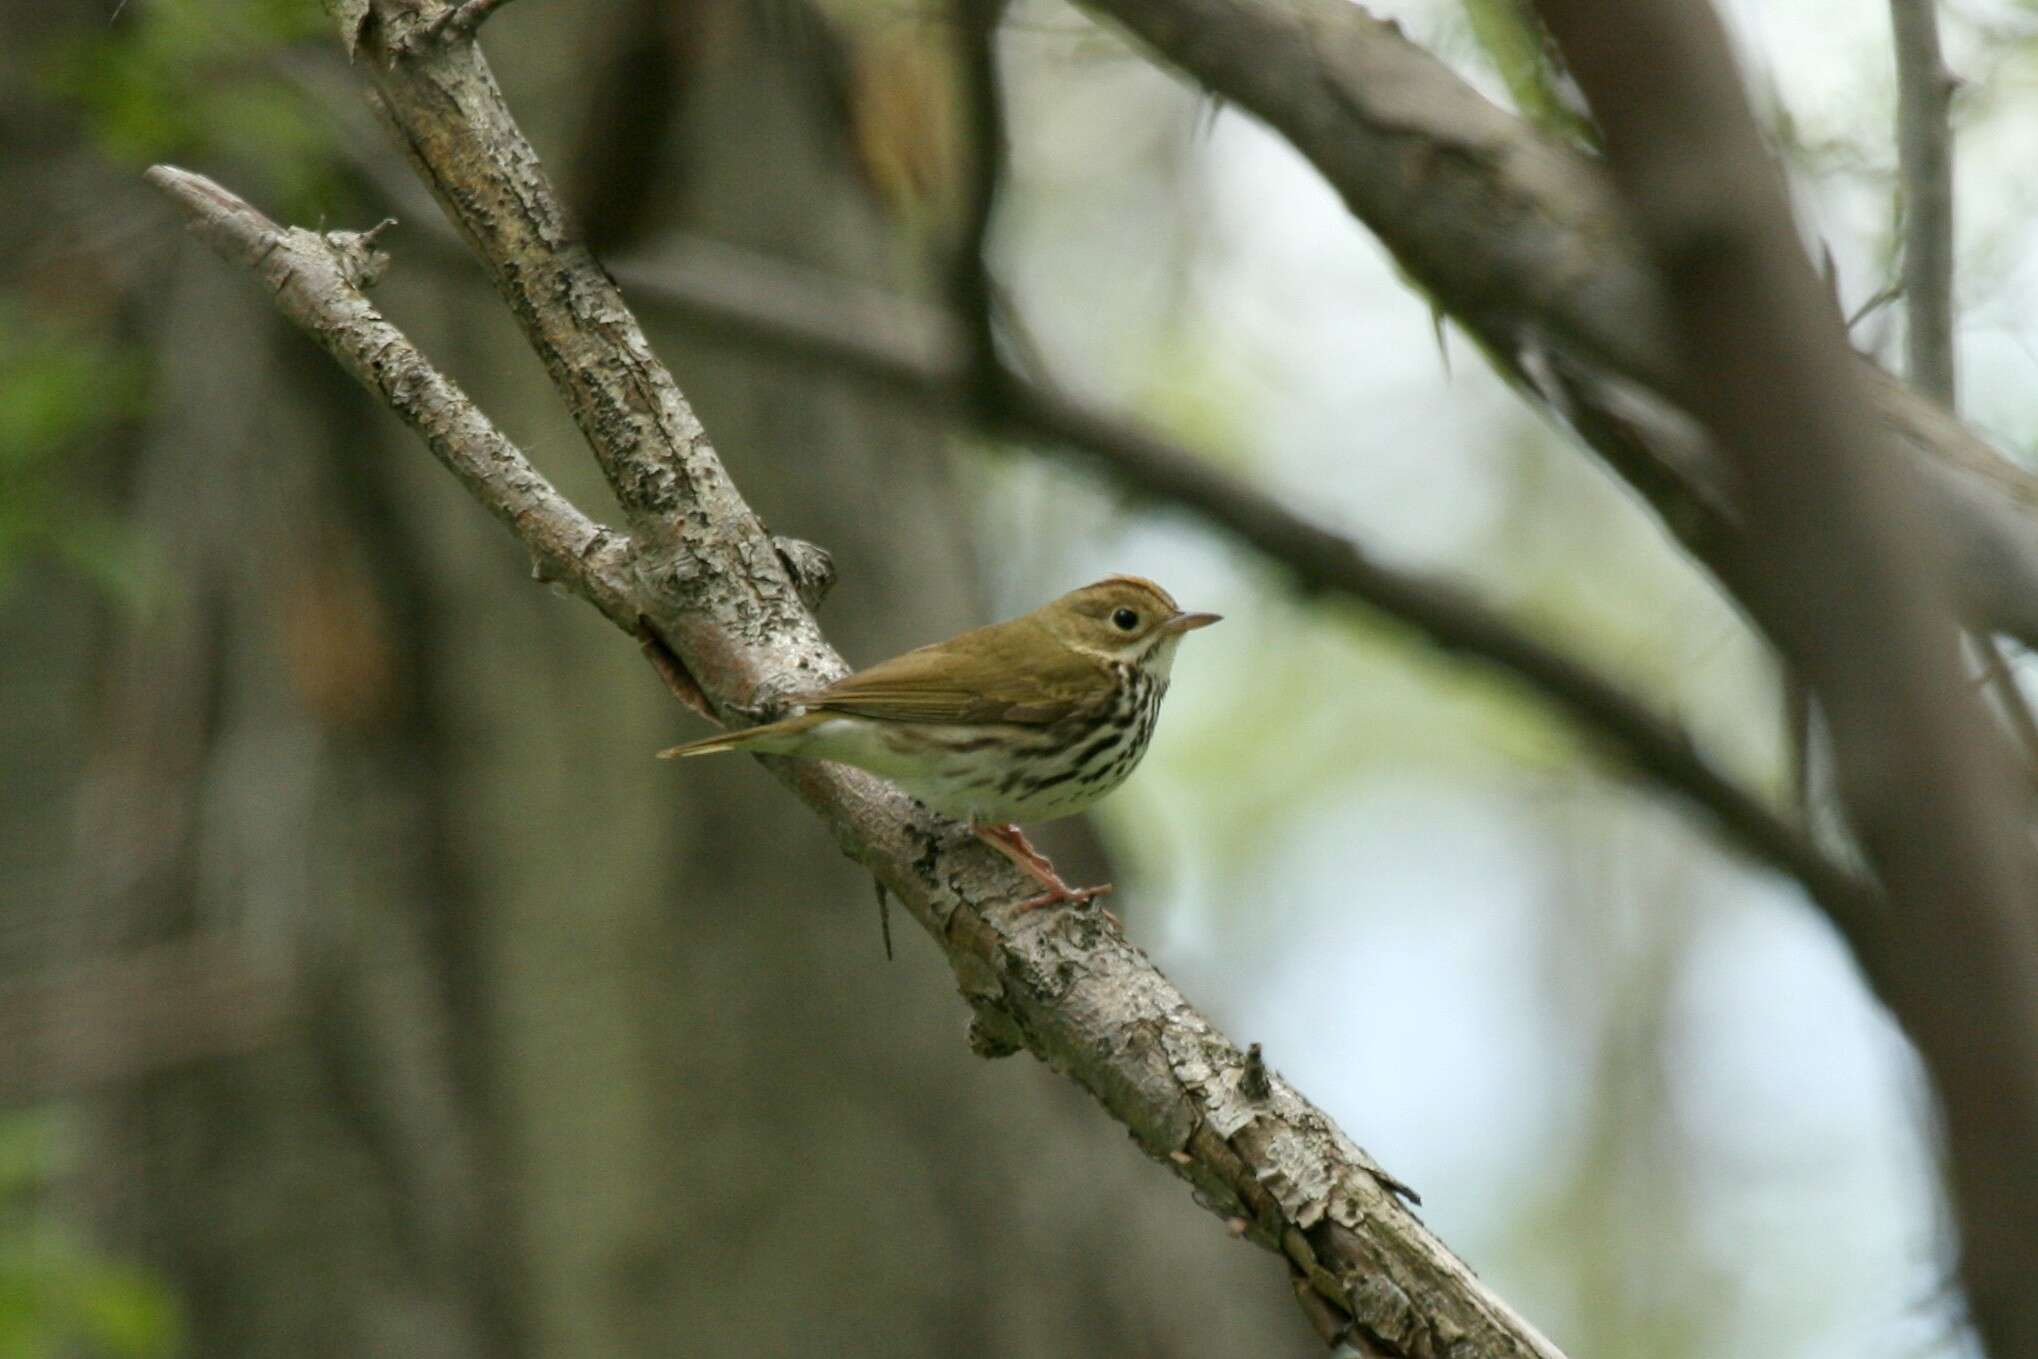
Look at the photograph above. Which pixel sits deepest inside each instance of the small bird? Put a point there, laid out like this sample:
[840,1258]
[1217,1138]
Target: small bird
[1026,720]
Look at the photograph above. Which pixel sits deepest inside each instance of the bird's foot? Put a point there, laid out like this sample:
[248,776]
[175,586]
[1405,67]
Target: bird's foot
[1011,842]
[1062,893]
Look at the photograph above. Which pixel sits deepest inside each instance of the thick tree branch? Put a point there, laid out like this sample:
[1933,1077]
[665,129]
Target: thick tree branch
[1067,987]
[1524,242]
[1854,592]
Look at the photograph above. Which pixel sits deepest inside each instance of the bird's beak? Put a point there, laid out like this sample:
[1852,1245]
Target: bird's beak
[1189,622]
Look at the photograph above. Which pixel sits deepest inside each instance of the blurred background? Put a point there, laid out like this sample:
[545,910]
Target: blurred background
[365,988]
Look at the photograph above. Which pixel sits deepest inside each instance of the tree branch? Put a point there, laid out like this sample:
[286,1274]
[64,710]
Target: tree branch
[1924,138]
[1925,162]
[1524,242]
[707,579]
[456,21]
[316,280]
[1854,592]
[971,289]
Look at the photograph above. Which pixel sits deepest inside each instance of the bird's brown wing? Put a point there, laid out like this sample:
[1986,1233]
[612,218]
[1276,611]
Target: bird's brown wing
[1008,672]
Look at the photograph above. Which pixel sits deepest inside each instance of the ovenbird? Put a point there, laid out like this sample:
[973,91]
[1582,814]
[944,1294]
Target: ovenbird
[1026,720]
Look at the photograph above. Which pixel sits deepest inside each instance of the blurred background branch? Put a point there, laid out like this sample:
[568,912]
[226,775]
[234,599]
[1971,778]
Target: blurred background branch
[1924,143]
[123,1020]
[1856,599]
[1518,238]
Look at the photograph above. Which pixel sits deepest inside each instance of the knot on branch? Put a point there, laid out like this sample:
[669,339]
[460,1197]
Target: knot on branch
[811,567]
[990,1040]
[1252,1082]
[407,28]
[357,256]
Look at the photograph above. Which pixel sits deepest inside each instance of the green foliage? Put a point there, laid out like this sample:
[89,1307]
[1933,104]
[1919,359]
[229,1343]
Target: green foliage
[58,391]
[1513,38]
[57,1294]
[205,81]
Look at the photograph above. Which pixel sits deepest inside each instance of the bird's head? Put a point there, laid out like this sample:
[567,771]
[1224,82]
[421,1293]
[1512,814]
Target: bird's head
[1125,619]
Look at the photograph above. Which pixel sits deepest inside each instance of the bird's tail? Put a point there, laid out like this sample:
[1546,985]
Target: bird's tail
[773,738]
[711,745]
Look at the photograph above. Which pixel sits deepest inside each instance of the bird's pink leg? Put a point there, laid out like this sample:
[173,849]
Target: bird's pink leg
[1011,842]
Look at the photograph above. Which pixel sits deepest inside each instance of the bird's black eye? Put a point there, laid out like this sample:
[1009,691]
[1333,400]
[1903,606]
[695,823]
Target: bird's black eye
[1125,619]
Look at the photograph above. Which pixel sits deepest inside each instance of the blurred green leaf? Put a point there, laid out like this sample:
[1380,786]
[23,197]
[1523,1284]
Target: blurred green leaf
[57,1295]
[59,390]
[199,80]
[123,1310]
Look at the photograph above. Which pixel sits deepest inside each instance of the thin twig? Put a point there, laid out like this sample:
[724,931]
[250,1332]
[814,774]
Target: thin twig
[1875,302]
[884,915]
